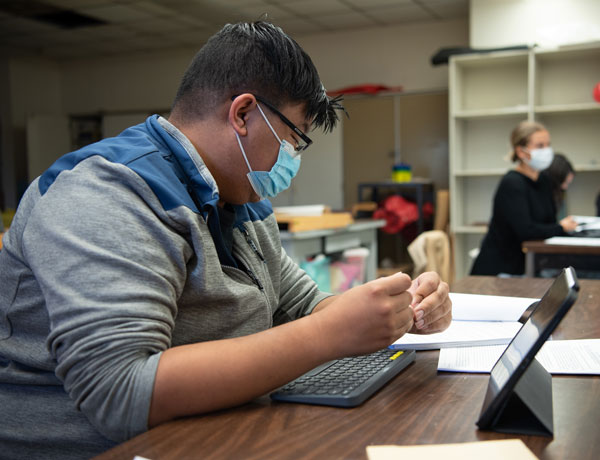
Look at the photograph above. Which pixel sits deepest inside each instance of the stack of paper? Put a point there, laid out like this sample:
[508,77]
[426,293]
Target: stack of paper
[476,320]
[587,223]
[579,357]
[304,210]
[461,334]
[478,307]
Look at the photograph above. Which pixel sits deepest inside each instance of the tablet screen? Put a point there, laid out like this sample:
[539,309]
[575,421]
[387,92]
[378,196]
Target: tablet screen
[527,342]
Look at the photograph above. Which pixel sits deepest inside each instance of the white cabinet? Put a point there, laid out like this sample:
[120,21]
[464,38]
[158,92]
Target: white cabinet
[489,94]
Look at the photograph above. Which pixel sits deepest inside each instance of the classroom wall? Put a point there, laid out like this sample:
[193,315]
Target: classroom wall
[33,87]
[386,55]
[392,56]
[123,83]
[548,23]
[7,169]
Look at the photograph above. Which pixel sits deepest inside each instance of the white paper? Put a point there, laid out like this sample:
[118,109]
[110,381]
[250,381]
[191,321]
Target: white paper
[587,223]
[479,359]
[301,210]
[579,357]
[499,449]
[479,307]
[573,241]
[571,356]
[586,219]
[460,334]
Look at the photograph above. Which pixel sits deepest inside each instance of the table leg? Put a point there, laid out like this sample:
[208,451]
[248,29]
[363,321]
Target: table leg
[530,264]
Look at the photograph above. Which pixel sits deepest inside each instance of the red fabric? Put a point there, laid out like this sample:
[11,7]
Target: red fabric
[398,213]
[365,89]
[597,92]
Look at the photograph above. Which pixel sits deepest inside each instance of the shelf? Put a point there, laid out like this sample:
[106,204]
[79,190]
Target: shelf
[587,168]
[564,78]
[492,113]
[495,58]
[481,172]
[577,52]
[583,107]
[490,93]
[489,84]
[471,229]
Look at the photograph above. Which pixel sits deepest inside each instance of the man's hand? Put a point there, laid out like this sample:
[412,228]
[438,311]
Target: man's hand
[367,318]
[431,304]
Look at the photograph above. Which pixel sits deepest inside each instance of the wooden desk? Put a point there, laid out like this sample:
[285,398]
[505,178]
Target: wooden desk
[533,248]
[419,406]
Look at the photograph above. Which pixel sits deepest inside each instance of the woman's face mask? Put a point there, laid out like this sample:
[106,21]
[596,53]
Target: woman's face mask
[541,158]
[270,183]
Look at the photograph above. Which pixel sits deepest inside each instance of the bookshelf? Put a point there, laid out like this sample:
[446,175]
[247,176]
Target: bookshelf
[489,94]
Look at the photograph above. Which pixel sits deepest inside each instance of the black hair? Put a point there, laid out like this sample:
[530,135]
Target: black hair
[257,58]
[557,172]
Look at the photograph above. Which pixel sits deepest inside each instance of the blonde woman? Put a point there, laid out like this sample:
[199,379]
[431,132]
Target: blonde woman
[523,207]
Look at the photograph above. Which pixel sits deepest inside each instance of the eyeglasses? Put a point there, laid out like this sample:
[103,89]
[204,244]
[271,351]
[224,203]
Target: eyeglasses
[305,140]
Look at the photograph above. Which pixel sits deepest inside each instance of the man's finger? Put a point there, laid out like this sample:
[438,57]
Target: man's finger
[395,284]
[434,308]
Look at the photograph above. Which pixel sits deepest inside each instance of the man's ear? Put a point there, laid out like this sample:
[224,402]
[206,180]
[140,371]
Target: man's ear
[238,112]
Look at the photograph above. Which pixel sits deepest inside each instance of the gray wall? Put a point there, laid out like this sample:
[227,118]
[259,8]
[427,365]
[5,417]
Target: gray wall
[392,56]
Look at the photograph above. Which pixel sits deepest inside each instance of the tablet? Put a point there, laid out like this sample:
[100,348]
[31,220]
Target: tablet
[516,407]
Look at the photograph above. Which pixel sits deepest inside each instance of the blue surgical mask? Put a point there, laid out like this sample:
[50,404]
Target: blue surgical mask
[541,158]
[271,183]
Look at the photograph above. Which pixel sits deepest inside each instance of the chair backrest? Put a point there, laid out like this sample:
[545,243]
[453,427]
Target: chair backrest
[431,251]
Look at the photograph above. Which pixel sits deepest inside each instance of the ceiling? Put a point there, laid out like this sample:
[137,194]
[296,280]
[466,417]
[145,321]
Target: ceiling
[65,29]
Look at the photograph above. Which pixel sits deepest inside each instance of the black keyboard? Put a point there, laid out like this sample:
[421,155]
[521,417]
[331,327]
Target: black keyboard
[346,382]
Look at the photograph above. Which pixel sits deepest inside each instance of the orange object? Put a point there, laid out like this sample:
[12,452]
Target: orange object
[327,220]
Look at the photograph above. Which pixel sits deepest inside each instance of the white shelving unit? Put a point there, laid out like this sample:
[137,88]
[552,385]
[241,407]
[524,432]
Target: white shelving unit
[489,95]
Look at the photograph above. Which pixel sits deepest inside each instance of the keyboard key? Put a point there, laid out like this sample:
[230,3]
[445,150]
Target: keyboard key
[346,382]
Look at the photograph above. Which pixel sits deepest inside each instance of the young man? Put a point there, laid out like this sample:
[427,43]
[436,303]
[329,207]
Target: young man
[143,278]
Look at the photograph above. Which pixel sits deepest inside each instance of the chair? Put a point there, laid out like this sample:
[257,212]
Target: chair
[430,251]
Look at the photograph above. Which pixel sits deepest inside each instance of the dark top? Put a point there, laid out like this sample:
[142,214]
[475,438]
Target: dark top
[523,210]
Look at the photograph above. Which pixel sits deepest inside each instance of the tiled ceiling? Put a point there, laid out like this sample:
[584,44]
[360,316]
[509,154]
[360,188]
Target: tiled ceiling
[64,29]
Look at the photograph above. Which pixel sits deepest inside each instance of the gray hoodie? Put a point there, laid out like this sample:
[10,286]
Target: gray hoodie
[115,254]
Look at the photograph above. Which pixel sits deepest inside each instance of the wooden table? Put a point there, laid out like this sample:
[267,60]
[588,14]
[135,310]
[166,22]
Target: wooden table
[533,248]
[419,406]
